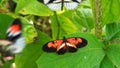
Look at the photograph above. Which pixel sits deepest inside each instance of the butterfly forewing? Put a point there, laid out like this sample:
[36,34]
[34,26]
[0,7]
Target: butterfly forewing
[79,42]
[14,30]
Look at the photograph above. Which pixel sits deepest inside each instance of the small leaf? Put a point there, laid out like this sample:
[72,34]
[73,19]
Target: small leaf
[27,59]
[86,57]
[84,17]
[32,7]
[113,31]
[29,31]
[113,53]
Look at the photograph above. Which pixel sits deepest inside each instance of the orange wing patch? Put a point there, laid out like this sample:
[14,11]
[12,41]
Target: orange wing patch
[14,28]
[52,46]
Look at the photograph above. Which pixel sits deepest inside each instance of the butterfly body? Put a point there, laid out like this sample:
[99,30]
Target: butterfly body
[63,45]
[14,42]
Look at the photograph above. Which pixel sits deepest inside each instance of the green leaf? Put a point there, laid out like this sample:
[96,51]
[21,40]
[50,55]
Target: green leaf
[110,11]
[61,26]
[27,59]
[86,57]
[32,7]
[68,13]
[29,31]
[5,21]
[84,17]
[113,53]
[113,31]
[106,63]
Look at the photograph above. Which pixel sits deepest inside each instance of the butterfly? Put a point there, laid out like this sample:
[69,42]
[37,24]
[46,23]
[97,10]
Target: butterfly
[14,42]
[59,4]
[67,44]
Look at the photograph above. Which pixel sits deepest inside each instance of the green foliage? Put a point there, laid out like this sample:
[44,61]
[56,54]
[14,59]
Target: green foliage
[80,22]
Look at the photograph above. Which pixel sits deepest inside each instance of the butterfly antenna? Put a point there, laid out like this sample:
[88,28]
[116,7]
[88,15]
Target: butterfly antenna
[64,39]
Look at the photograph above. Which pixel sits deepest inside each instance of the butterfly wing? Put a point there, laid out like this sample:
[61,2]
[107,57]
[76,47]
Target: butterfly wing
[14,42]
[55,46]
[71,4]
[54,5]
[74,43]
[14,33]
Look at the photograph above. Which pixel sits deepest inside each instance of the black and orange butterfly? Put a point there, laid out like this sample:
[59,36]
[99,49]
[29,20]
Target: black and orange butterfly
[67,44]
[59,4]
[14,42]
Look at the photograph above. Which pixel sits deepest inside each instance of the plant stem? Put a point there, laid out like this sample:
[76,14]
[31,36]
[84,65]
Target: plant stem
[98,26]
[58,24]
